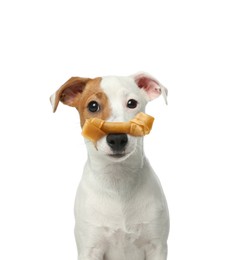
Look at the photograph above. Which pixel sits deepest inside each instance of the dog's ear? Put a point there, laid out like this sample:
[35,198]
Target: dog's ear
[68,92]
[151,86]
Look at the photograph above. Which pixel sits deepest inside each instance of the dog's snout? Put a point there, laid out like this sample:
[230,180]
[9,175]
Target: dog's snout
[117,142]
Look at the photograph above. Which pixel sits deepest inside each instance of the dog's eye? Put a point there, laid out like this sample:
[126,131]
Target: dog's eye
[132,103]
[93,106]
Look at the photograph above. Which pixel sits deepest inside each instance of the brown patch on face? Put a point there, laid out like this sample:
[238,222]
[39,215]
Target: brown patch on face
[93,92]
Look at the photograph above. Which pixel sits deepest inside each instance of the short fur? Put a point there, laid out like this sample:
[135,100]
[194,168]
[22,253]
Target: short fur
[120,208]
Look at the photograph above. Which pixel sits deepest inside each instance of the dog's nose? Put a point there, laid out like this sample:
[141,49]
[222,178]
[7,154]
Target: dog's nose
[117,142]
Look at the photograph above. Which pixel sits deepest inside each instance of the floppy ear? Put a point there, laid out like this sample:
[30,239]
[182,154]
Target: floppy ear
[68,92]
[151,86]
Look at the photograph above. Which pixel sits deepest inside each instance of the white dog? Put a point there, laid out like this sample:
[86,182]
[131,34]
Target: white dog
[120,208]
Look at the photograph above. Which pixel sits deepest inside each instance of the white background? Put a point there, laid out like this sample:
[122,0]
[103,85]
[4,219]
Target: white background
[193,47]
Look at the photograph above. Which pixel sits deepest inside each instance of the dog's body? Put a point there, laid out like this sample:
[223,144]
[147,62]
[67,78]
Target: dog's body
[120,208]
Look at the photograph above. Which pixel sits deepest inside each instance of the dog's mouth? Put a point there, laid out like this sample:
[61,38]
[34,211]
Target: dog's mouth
[119,152]
[117,155]
[120,156]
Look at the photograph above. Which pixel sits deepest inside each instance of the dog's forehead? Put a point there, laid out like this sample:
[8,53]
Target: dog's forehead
[118,91]
[117,86]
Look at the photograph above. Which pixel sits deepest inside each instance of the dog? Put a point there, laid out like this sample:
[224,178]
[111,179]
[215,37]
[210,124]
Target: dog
[121,211]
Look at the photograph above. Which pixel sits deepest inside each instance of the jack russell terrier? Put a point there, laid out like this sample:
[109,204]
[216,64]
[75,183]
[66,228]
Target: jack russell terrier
[120,208]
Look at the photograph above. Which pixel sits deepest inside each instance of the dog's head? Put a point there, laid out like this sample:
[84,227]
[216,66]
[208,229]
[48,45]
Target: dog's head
[113,99]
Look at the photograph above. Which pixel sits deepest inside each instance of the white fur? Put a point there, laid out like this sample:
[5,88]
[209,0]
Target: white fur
[120,208]
[52,100]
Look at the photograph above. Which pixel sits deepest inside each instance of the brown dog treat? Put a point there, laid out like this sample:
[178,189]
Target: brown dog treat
[95,128]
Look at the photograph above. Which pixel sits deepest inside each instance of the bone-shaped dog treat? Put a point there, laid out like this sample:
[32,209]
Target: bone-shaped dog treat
[95,128]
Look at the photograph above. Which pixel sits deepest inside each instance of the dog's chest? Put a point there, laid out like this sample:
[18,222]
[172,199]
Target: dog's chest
[125,244]
[124,236]
[124,226]
[119,222]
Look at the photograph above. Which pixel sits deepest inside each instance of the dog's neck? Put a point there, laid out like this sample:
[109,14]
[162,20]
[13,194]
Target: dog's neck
[117,176]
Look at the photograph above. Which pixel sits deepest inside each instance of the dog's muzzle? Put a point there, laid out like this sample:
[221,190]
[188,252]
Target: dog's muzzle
[117,142]
[96,128]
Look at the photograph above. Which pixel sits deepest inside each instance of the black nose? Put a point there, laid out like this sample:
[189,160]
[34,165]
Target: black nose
[117,142]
